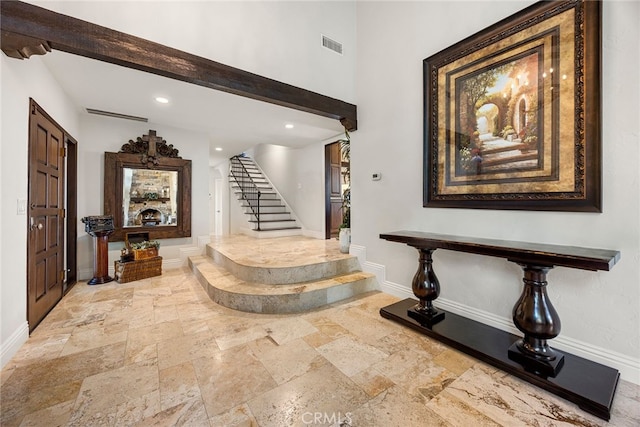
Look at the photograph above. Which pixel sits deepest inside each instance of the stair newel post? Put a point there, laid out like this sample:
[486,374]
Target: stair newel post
[258,210]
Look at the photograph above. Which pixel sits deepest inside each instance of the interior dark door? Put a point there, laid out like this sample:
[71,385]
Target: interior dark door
[45,250]
[333,189]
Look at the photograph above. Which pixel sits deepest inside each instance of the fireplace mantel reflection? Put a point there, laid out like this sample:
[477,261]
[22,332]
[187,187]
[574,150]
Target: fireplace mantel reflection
[149,197]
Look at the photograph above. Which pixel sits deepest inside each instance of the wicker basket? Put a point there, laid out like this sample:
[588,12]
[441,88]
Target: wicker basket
[139,254]
[137,270]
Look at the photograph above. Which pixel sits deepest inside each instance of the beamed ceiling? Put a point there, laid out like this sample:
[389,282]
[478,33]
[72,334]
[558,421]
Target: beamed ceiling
[242,110]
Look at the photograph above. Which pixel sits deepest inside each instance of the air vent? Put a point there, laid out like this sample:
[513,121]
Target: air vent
[331,44]
[116,115]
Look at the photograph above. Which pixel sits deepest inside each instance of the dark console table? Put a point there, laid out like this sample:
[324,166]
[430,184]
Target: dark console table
[586,383]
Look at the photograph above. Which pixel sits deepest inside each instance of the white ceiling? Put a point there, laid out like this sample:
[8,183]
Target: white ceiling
[232,122]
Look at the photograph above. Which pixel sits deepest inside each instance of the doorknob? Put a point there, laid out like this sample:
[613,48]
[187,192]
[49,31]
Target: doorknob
[32,224]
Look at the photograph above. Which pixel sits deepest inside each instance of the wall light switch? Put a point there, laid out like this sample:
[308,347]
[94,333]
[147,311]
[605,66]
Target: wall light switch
[377,176]
[22,207]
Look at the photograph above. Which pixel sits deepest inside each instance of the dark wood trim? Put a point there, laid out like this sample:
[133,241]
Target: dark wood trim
[327,191]
[524,252]
[38,28]
[72,211]
[113,166]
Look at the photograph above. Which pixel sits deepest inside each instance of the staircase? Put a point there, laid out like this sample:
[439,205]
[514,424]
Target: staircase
[259,200]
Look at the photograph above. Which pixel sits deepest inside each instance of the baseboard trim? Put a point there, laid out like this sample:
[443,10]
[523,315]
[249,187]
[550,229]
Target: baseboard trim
[629,367]
[11,346]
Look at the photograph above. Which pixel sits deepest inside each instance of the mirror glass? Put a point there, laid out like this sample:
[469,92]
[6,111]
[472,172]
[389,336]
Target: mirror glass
[150,198]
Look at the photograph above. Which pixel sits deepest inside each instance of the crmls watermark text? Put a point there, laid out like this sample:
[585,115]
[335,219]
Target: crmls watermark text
[334,418]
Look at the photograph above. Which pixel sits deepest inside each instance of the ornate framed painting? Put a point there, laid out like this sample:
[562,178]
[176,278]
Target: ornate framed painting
[512,114]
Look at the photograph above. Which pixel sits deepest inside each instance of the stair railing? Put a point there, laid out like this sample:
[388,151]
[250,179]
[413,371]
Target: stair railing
[248,188]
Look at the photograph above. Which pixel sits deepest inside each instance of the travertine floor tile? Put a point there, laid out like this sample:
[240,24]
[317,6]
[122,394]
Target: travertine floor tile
[103,394]
[230,378]
[45,346]
[395,407]
[416,374]
[240,416]
[91,338]
[159,352]
[154,333]
[350,355]
[626,404]
[53,416]
[288,361]
[372,382]
[178,350]
[178,384]
[190,413]
[283,331]
[510,401]
[324,391]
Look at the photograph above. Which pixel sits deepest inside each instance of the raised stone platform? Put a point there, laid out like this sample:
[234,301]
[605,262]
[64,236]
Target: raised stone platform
[280,275]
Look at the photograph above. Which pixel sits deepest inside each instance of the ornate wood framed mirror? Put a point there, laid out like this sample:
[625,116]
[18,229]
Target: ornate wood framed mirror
[147,187]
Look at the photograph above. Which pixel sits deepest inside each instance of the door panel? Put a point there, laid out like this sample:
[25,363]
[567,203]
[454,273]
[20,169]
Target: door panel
[45,252]
[333,189]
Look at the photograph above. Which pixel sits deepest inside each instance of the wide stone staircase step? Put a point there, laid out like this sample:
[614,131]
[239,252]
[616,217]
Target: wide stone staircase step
[279,285]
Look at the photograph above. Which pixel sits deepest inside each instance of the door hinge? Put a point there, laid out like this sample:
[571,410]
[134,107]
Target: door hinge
[62,275]
[63,213]
[63,151]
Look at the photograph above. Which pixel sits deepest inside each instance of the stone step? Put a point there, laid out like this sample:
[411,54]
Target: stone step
[282,269]
[232,292]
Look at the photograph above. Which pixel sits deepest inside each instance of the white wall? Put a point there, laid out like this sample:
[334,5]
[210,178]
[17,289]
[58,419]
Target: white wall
[298,174]
[598,309]
[21,80]
[100,134]
[276,39]
[95,135]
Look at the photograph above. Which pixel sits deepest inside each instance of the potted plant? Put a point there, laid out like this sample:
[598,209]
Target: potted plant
[344,235]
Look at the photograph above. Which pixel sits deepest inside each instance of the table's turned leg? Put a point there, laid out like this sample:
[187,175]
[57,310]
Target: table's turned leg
[426,287]
[535,316]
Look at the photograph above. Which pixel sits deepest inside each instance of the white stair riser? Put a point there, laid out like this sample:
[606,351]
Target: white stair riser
[270,217]
[274,215]
[268,210]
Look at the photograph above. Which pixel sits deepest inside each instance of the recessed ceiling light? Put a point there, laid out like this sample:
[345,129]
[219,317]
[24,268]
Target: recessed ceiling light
[289,126]
[218,149]
[162,100]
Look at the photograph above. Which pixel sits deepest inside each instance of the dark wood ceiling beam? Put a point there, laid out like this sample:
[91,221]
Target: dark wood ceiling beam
[38,27]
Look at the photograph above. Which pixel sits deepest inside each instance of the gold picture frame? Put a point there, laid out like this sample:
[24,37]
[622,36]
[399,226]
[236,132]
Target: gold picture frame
[512,114]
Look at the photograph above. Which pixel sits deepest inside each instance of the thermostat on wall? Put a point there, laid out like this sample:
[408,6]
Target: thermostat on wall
[377,176]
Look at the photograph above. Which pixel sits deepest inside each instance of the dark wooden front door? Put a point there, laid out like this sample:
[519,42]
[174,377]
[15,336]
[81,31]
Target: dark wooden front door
[45,249]
[333,189]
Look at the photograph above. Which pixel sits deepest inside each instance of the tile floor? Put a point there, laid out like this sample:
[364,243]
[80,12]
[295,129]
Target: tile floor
[158,352]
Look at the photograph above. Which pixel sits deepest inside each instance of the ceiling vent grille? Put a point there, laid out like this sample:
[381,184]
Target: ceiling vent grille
[331,44]
[116,115]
